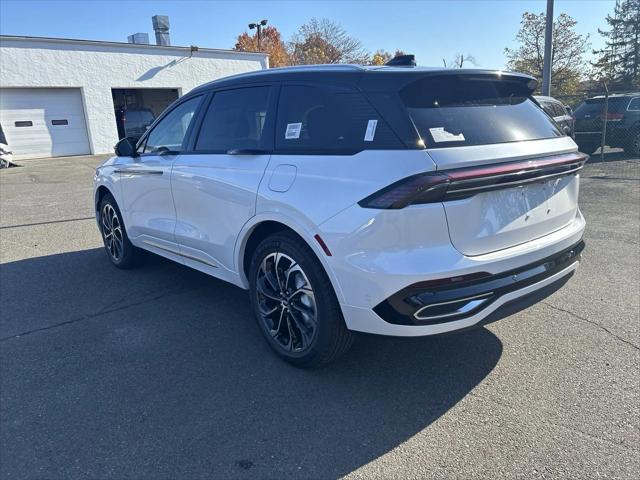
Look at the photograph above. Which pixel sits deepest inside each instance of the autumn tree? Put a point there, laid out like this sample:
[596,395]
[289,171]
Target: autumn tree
[325,41]
[380,57]
[270,43]
[619,60]
[567,60]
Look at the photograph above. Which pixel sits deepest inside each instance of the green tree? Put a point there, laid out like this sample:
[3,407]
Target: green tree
[568,66]
[325,41]
[619,60]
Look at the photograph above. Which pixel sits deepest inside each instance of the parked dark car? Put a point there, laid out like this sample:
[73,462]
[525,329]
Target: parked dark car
[558,111]
[133,122]
[623,123]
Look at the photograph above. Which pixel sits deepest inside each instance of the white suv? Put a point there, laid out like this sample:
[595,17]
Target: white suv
[390,200]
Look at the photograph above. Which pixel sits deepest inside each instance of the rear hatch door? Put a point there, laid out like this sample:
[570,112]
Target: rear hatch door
[513,172]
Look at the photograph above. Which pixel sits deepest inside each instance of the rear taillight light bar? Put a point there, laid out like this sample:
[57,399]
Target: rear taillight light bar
[446,185]
[613,117]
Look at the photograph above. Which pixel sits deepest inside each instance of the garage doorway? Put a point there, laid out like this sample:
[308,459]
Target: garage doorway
[44,122]
[136,108]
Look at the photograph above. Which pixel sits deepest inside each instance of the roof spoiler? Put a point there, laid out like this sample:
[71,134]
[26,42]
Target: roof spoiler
[402,61]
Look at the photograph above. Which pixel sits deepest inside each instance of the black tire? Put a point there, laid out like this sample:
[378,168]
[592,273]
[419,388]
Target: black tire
[117,245]
[632,147]
[292,258]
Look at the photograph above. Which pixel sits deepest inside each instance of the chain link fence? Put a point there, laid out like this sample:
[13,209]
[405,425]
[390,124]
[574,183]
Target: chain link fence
[612,163]
[606,119]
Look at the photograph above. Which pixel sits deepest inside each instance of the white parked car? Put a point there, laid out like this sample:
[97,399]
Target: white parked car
[391,200]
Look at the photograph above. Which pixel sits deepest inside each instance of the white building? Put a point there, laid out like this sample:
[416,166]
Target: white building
[59,97]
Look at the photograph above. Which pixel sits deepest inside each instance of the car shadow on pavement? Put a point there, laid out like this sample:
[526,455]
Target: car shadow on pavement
[615,155]
[160,372]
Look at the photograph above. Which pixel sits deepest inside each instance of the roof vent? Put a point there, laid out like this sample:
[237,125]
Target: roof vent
[142,38]
[161,27]
[402,61]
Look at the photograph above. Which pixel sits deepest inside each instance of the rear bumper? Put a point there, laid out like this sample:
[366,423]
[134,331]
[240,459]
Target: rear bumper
[618,134]
[428,304]
[366,320]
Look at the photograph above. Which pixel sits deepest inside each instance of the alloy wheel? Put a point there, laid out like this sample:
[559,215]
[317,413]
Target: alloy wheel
[286,302]
[112,232]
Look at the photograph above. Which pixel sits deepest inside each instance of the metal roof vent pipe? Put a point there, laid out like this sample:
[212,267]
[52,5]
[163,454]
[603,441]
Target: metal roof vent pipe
[141,38]
[161,27]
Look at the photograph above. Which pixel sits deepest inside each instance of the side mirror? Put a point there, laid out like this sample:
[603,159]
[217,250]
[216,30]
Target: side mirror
[567,130]
[126,148]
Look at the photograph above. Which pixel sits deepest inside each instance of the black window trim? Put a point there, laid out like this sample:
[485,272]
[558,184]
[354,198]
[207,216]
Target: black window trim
[142,142]
[274,96]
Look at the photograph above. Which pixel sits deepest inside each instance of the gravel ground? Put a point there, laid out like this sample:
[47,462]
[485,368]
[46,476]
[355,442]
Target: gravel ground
[160,372]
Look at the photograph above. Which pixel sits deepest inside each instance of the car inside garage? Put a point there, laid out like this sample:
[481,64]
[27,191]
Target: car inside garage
[136,108]
[44,122]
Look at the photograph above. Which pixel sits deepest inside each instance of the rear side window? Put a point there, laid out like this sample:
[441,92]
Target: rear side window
[634,105]
[462,110]
[236,119]
[324,121]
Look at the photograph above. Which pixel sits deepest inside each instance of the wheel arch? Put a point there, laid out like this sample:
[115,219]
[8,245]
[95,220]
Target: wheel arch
[260,228]
[101,191]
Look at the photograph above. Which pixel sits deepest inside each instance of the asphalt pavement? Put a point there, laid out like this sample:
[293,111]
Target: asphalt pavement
[161,372]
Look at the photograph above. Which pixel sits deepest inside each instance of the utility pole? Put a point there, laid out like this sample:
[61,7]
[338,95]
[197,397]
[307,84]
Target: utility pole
[259,26]
[548,49]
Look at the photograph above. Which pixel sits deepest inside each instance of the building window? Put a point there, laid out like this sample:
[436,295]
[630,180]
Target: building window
[25,123]
[59,122]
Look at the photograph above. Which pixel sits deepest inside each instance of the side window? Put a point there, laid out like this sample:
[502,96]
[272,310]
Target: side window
[169,134]
[634,105]
[318,120]
[236,119]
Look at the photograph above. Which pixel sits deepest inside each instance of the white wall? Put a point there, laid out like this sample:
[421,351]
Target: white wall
[97,67]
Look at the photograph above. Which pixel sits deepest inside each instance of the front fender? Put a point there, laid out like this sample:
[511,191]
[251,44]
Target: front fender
[106,178]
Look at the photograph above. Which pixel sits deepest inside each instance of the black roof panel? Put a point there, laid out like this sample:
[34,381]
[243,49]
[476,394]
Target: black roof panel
[368,77]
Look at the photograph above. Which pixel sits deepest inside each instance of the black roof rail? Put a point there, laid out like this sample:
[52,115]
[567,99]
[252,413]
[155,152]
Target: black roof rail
[402,61]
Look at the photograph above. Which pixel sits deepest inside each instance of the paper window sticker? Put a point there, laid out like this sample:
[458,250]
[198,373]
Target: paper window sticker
[293,131]
[371,130]
[439,134]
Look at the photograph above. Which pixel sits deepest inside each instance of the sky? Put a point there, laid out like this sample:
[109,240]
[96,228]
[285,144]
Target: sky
[431,29]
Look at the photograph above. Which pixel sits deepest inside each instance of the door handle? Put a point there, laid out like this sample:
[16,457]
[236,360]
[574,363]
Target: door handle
[139,172]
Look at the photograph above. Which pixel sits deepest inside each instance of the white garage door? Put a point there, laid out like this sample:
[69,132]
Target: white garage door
[43,122]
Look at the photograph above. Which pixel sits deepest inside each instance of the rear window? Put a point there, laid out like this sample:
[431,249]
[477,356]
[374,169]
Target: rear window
[462,110]
[317,120]
[596,106]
